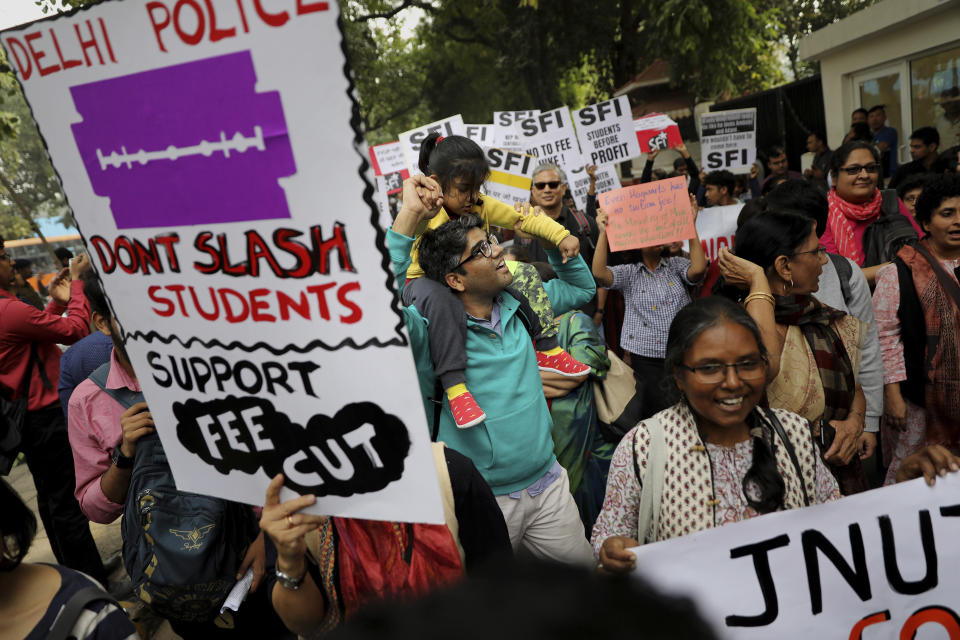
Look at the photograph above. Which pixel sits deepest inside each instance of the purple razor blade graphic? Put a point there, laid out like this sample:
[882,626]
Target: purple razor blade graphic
[188,144]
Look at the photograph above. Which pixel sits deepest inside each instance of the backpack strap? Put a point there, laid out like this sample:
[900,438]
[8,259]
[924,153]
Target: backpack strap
[126,397]
[844,273]
[782,434]
[651,486]
[75,605]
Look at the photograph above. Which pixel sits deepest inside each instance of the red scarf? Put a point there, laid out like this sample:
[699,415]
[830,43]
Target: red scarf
[379,560]
[841,213]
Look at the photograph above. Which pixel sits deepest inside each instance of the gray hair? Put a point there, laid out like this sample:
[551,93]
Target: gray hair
[549,166]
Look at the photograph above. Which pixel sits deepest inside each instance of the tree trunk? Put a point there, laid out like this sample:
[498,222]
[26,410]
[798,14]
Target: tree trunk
[28,217]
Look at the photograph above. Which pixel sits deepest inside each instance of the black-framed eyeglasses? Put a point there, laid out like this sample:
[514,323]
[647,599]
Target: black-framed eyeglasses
[855,169]
[715,371]
[483,248]
[553,184]
[819,251]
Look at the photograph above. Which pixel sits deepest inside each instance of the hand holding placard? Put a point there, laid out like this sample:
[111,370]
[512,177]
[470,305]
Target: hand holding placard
[648,214]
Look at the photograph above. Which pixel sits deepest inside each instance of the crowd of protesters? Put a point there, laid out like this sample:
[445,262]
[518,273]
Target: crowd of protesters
[818,358]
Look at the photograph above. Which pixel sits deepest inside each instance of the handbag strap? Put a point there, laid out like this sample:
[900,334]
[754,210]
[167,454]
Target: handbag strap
[34,360]
[651,486]
[71,610]
[782,434]
[946,282]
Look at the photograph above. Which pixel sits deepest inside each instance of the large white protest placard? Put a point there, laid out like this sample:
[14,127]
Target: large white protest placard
[605,132]
[880,564]
[510,175]
[578,183]
[483,134]
[716,227]
[728,140]
[507,136]
[550,137]
[236,243]
[410,140]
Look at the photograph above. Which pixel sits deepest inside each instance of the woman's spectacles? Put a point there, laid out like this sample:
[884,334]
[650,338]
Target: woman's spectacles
[820,251]
[714,372]
[855,169]
[483,248]
[553,184]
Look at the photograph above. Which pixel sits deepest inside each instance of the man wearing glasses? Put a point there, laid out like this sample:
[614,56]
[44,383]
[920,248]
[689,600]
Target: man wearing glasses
[512,448]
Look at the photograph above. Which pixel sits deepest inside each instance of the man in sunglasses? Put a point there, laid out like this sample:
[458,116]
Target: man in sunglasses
[547,192]
[513,447]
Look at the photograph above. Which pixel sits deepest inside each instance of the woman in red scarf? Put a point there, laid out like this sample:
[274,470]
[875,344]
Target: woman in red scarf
[865,224]
[917,308]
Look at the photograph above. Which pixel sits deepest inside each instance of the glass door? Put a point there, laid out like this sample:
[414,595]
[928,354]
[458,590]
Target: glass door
[888,86]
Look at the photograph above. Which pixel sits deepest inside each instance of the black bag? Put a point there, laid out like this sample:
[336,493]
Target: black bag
[887,234]
[13,415]
[181,550]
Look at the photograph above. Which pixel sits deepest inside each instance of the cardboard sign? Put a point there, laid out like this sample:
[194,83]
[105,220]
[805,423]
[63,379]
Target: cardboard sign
[649,214]
[237,245]
[716,227]
[510,176]
[880,564]
[482,134]
[728,140]
[605,132]
[656,132]
[506,134]
[387,158]
[578,183]
[410,140]
[550,137]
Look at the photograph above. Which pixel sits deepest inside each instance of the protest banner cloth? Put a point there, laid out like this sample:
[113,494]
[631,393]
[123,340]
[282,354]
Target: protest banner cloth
[237,246]
[648,214]
[550,137]
[511,174]
[716,227]
[578,183]
[506,134]
[879,564]
[728,140]
[656,132]
[410,140]
[605,132]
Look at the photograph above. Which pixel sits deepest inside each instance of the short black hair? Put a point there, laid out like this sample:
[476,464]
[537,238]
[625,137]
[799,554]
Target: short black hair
[877,107]
[440,249]
[21,263]
[861,131]
[926,135]
[934,193]
[560,602]
[679,162]
[63,253]
[93,291]
[800,196]
[751,208]
[839,157]
[776,151]
[763,239]
[819,135]
[18,526]
[721,178]
[916,181]
[860,110]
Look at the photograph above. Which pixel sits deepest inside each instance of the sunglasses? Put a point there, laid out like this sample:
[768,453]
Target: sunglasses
[855,169]
[553,184]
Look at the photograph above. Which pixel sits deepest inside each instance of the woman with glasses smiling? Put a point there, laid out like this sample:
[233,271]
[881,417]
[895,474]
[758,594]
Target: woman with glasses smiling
[818,349]
[716,457]
[864,224]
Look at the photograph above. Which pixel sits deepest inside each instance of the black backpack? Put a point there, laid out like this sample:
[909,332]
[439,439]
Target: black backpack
[887,234]
[181,550]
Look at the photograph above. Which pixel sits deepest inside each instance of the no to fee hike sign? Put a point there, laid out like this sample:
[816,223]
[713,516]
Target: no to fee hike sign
[207,152]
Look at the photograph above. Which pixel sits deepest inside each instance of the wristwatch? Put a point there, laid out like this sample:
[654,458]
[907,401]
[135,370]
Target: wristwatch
[289,582]
[119,460]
